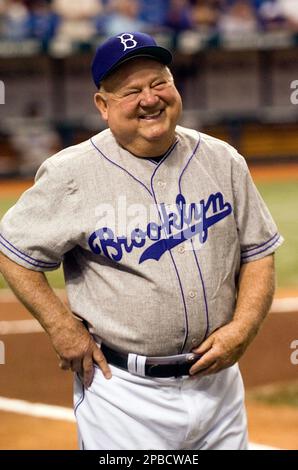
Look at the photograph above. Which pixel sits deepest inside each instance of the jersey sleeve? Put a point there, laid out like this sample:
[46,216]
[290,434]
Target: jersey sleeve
[257,231]
[40,227]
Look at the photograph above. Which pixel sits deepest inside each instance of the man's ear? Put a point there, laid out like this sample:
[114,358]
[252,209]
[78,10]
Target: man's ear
[101,104]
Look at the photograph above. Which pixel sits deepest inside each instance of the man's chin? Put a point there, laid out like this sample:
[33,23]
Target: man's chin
[157,134]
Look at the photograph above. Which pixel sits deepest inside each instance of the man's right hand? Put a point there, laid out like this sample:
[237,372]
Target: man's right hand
[78,351]
[73,344]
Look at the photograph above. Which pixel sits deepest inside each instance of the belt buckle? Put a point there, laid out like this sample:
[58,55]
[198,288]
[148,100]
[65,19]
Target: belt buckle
[182,363]
[159,370]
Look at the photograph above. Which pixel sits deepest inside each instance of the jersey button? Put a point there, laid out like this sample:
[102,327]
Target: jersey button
[192,294]
[161,183]
[181,249]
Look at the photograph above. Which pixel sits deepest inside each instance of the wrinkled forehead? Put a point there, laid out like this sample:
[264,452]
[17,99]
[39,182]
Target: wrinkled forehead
[134,69]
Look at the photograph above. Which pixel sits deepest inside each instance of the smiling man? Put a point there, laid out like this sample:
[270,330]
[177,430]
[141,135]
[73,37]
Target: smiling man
[141,105]
[167,251]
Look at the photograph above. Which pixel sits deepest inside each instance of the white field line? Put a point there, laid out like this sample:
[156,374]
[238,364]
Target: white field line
[60,413]
[285,305]
[38,410]
[16,327]
[255,446]
[6,295]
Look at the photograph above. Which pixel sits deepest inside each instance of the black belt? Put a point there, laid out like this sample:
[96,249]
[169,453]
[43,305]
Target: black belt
[172,366]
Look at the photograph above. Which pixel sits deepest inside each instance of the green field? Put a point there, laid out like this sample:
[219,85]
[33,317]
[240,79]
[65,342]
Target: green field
[276,394]
[282,200]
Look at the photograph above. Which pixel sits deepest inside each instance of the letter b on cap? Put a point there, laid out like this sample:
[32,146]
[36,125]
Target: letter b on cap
[128,41]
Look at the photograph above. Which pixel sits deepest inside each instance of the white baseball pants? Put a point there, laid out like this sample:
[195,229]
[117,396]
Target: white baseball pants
[130,412]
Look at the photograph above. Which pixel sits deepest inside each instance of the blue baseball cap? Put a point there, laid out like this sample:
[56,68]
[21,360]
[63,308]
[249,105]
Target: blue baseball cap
[118,49]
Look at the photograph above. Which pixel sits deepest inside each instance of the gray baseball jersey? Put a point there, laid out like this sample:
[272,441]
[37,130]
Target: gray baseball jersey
[151,252]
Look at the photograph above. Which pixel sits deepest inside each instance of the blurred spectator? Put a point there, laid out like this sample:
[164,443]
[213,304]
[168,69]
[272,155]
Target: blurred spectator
[2,10]
[289,9]
[15,20]
[8,160]
[178,17]
[69,21]
[43,22]
[33,138]
[123,15]
[270,14]
[154,12]
[77,19]
[239,18]
[206,14]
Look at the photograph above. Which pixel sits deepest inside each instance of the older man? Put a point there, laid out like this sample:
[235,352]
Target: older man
[167,250]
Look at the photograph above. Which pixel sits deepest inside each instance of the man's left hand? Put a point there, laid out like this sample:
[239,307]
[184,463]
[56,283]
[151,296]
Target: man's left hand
[221,349]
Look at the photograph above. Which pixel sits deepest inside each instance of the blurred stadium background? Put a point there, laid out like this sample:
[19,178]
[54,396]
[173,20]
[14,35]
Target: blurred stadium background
[237,70]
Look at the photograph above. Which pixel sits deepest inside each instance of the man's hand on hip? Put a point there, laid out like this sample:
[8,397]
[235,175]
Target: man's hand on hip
[226,345]
[78,351]
[73,344]
[220,350]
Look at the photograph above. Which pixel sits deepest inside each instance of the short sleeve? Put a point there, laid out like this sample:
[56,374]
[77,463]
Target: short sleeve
[257,231]
[40,228]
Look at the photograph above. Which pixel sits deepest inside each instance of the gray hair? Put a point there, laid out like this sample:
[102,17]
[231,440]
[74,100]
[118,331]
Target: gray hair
[101,87]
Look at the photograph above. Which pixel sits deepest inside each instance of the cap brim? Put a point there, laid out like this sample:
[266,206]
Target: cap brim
[152,52]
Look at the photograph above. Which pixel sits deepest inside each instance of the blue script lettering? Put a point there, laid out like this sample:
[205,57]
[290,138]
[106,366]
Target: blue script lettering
[189,219]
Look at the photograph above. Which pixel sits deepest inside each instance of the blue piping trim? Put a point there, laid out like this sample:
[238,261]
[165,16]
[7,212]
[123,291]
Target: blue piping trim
[173,261]
[193,250]
[190,158]
[259,246]
[261,251]
[163,159]
[36,265]
[18,253]
[204,293]
[119,166]
[81,399]
[165,155]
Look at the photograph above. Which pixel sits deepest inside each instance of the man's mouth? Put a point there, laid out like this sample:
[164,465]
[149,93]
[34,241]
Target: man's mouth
[152,116]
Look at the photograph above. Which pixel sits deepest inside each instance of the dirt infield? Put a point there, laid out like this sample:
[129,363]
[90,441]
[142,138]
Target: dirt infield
[274,426]
[25,432]
[280,172]
[14,188]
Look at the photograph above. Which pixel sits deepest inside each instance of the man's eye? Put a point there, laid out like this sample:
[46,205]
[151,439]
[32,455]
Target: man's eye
[159,85]
[131,92]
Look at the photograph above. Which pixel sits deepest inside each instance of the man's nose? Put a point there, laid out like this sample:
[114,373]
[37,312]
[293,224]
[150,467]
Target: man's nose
[148,97]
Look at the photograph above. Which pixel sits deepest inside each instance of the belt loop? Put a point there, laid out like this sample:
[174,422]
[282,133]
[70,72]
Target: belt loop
[136,364]
[141,361]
